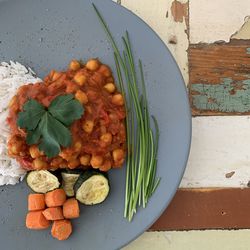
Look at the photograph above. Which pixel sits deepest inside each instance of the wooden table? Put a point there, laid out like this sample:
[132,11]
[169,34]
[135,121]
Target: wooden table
[210,41]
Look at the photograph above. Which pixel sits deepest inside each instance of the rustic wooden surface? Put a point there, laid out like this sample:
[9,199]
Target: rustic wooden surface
[219,79]
[206,209]
[219,37]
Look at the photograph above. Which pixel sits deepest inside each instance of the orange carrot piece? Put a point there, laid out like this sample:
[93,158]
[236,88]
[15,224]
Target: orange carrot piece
[36,220]
[61,229]
[71,209]
[36,202]
[53,213]
[55,198]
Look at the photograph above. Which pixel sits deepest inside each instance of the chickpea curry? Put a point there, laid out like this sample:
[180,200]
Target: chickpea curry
[98,137]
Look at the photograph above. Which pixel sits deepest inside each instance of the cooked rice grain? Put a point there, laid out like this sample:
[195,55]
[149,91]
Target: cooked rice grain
[12,76]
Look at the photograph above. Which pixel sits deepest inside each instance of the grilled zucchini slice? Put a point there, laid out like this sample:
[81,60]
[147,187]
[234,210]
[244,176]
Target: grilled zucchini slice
[42,181]
[92,187]
[69,179]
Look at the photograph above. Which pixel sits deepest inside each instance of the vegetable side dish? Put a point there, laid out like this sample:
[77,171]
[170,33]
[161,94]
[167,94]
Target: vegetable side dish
[68,130]
[98,136]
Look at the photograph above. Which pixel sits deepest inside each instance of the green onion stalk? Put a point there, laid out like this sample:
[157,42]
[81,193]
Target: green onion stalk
[142,139]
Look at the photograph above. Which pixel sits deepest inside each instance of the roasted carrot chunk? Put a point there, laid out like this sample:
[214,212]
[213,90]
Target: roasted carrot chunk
[36,220]
[61,229]
[53,213]
[55,198]
[71,209]
[36,202]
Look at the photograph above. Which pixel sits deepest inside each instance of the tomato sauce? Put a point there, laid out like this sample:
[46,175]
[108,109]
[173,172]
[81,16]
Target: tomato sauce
[99,137]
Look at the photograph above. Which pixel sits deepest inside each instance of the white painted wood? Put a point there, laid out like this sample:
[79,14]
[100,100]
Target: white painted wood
[154,14]
[216,20]
[193,240]
[219,145]
[244,32]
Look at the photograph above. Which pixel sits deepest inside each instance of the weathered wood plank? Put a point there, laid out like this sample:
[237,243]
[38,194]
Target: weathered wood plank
[220,145]
[220,78]
[192,240]
[169,19]
[212,21]
[206,209]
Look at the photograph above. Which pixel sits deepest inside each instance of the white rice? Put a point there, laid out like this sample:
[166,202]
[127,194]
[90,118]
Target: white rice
[12,76]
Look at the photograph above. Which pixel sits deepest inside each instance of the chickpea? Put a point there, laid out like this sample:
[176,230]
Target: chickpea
[80,78]
[74,65]
[110,87]
[113,117]
[13,150]
[15,146]
[105,70]
[106,166]
[85,160]
[118,154]
[34,151]
[74,163]
[55,75]
[107,138]
[88,126]
[117,99]
[56,162]
[81,97]
[92,64]
[68,154]
[96,161]
[38,163]
[78,146]
[71,88]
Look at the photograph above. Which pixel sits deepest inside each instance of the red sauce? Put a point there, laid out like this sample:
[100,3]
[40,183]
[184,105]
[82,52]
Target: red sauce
[91,144]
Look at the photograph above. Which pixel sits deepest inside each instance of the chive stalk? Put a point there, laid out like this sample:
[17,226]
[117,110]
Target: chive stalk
[142,142]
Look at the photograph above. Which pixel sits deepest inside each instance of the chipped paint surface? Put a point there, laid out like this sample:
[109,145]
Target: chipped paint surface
[220,144]
[244,31]
[230,174]
[179,11]
[227,96]
[212,21]
[193,240]
[220,78]
[157,15]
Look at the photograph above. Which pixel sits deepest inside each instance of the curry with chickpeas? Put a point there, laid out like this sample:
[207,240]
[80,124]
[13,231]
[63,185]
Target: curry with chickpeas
[98,137]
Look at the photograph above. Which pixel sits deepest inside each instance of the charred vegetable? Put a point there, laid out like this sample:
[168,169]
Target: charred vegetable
[69,179]
[92,187]
[42,181]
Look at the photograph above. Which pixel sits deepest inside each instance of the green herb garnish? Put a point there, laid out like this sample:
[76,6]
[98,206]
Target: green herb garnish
[49,127]
[142,140]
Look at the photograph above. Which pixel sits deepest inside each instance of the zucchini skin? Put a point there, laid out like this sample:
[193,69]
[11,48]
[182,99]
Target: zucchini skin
[32,186]
[80,186]
[67,184]
[86,175]
[72,171]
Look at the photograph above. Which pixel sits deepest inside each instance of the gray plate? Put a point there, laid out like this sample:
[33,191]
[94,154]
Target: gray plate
[47,34]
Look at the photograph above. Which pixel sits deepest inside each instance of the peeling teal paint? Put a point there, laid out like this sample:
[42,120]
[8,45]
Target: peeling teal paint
[219,97]
[248,51]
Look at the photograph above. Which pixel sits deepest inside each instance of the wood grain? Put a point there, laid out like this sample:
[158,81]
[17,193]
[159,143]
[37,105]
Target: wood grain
[206,209]
[220,78]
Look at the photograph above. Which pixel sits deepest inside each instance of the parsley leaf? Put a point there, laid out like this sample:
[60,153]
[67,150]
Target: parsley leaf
[33,136]
[54,134]
[49,128]
[30,117]
[66,109]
